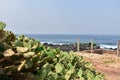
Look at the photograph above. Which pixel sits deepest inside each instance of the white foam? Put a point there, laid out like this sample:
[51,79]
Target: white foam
[108,46]
[54,43]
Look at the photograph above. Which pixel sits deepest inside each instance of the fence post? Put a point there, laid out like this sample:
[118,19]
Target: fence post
[118,48]
[78,45]
[91,46]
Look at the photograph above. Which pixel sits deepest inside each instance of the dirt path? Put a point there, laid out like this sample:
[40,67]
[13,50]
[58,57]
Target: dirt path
[110,73]
[108,64]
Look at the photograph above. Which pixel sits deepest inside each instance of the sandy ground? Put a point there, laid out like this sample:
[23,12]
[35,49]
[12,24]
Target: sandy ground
[108,64]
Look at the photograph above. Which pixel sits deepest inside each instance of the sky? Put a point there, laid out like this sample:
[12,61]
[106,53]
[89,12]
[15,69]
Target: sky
[61,16]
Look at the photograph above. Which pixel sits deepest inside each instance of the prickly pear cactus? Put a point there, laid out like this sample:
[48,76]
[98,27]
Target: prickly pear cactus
[23,58]
[2,25]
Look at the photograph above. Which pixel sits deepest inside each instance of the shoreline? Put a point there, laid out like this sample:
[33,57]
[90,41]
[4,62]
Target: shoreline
[83,48]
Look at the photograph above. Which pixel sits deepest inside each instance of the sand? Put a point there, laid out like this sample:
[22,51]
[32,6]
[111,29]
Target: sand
[108,64]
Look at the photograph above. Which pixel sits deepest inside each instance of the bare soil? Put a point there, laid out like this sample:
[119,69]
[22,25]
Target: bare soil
[108,64]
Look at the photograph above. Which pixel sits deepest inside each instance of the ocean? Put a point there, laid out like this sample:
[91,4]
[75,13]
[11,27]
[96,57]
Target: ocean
[104,41]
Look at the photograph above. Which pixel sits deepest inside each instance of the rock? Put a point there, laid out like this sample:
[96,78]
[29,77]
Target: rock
[70,47]
[98,51]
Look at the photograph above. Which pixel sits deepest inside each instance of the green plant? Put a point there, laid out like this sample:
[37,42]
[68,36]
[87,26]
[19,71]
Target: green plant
[6,38]
[32,61]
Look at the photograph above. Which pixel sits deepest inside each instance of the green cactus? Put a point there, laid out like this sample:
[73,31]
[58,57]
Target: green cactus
[31,60]
[2,25]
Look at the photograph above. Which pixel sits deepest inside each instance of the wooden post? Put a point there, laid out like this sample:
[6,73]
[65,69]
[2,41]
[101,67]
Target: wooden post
[91,46]
[118,48]
[78,45]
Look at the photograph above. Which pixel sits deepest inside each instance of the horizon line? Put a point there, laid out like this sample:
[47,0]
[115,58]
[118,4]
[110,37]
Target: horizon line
[66,34]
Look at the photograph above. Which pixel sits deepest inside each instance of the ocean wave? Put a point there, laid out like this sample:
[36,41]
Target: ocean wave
[55,43]
[104,46]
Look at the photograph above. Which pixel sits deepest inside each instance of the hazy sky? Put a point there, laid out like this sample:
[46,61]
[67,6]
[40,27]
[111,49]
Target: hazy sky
[61,16]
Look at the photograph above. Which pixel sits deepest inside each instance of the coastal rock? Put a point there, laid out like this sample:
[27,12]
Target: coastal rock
[98,51]
[70,47]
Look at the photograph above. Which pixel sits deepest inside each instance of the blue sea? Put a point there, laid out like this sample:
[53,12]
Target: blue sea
[104,41]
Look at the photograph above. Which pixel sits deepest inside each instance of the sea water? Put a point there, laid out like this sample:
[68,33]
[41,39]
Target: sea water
[104,41]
